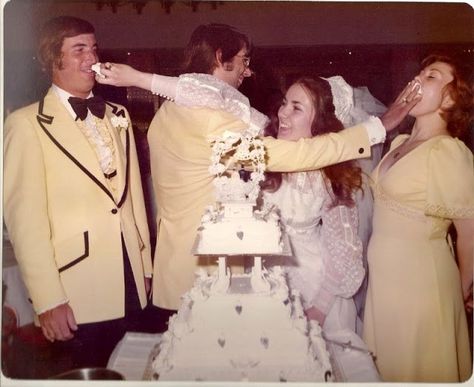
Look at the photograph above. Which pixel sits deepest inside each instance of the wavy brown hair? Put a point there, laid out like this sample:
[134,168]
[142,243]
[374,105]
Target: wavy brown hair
[345,178]
[460,116]
[52,37]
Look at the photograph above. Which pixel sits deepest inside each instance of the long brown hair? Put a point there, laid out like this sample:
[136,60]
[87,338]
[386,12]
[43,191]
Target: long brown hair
[345,178]
[460,116]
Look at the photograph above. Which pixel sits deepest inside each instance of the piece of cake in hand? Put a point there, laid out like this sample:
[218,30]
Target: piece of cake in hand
[96,68]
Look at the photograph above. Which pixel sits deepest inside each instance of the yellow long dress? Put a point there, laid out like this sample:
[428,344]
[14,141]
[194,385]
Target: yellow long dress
[415,321]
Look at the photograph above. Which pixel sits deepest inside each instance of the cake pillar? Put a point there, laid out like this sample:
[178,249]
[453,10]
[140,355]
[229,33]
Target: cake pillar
[258,282]
[221,284]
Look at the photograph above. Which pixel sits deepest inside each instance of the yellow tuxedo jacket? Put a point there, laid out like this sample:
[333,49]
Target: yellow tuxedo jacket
[180,154]
[64,221]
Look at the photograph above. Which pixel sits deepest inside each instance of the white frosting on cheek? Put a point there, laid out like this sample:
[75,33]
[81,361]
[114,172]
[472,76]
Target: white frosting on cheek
[96,68]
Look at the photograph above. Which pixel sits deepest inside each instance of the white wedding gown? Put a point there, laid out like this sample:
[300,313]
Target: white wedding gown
[326,267]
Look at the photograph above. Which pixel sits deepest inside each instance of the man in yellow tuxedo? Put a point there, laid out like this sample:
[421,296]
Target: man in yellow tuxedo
[73,202]
[180,153]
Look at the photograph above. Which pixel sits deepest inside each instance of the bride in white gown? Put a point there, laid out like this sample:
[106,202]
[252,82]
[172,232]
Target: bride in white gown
[318,212]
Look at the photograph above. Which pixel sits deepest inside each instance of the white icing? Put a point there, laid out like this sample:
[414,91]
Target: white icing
[234,228]
[242,335]
[96,68]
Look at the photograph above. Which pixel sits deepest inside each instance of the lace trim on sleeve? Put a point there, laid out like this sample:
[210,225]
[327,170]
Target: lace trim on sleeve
[205,90]
[449,213]
[342,255]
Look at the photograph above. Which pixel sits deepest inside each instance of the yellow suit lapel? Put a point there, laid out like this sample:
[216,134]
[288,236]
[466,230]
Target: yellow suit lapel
[61,129]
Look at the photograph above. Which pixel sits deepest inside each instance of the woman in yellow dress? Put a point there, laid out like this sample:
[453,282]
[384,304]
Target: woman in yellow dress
[415,319]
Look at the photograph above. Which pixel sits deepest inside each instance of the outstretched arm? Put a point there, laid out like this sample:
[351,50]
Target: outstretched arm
[119,74]
[189,90]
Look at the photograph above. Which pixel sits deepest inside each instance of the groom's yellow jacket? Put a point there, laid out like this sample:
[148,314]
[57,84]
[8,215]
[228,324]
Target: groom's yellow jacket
[64,220]
[180,154]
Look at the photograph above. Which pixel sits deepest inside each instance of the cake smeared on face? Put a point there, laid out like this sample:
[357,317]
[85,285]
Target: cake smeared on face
[96,68]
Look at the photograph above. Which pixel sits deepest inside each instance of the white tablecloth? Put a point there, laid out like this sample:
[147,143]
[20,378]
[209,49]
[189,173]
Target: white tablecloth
[131,357]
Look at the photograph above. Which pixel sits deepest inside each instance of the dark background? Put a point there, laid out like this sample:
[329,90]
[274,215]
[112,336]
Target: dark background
[375,44]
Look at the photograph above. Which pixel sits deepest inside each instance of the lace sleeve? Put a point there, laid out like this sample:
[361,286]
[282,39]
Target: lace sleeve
[342,256]
[205,90]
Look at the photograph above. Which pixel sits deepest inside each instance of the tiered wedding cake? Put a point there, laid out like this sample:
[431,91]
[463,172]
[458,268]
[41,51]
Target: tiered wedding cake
[231,225]
[246,327]
[242,335]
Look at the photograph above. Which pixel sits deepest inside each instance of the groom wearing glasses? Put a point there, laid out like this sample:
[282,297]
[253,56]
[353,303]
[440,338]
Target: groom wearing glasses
[73,203]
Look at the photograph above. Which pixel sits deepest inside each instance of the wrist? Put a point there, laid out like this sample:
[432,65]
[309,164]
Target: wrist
[144,81]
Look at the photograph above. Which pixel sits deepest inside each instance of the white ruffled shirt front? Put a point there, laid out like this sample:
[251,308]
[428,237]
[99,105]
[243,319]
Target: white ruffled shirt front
[94,130]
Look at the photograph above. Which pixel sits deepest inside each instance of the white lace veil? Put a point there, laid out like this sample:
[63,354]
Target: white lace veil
[353,105]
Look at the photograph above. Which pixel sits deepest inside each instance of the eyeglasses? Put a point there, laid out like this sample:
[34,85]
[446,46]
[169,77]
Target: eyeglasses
[245,60]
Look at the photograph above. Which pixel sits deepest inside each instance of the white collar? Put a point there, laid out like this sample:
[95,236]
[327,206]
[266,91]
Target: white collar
[63,96]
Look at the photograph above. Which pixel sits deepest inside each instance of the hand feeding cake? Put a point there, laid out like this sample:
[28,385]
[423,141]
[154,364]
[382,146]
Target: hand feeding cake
[242,335]
[232,226]
[96,68]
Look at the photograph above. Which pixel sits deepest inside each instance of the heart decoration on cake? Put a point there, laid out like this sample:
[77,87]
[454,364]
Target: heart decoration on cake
[249,345]
[240,235]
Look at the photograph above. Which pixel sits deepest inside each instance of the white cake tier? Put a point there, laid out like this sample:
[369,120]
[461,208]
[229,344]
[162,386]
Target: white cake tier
[231,235]
[242,335]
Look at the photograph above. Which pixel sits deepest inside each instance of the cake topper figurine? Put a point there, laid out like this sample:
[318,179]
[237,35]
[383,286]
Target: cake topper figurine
[238,164]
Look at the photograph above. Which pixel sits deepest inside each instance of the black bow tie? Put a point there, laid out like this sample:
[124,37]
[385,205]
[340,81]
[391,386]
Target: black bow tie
[95,104]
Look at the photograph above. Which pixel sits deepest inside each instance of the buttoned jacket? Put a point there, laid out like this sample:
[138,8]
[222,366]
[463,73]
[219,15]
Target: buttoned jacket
[63,218]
